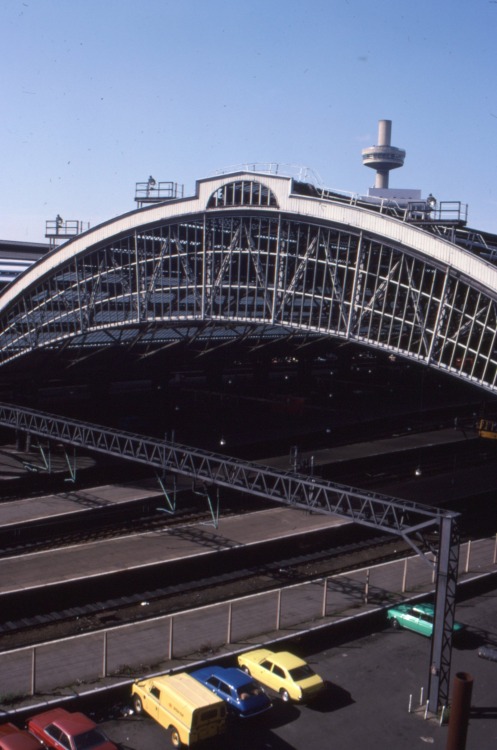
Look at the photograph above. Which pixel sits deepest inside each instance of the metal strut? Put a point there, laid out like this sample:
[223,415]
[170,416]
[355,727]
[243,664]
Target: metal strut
[214,511]
[71,466]
[172,504]
[46,461]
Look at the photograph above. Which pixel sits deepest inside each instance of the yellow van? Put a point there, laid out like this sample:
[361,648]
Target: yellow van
[179,703]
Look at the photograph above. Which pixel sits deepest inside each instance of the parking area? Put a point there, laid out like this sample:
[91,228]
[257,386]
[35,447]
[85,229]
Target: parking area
[373,676]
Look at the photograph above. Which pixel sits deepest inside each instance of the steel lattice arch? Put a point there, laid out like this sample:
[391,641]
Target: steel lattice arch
[258,256]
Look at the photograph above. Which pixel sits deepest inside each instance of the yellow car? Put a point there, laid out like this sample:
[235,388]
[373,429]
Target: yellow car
[291,677]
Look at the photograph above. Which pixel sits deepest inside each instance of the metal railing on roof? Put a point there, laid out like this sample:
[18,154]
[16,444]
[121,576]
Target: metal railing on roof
[58,230]
[157,192]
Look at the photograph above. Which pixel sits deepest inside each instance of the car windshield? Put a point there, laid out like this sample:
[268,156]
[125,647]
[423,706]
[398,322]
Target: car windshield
[92,738]
[301,673]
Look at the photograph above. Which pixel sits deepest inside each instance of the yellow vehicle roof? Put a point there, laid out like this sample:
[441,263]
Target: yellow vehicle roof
[287,660]
[283,658]
[186,686]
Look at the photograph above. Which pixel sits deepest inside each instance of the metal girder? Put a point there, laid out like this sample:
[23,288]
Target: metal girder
[259,273]
[399,517]
[445,603]
[298,273]
[157,267]
[419,316]
[336,289]
[225,262]
[298,490]
[380,290]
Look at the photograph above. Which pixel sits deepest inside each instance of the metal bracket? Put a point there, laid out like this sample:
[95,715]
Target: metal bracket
[172,504]
[46,462]
[72,467]
[214,511]
[46,458]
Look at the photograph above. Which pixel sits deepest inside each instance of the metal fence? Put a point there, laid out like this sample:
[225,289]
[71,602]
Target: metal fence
[142,647]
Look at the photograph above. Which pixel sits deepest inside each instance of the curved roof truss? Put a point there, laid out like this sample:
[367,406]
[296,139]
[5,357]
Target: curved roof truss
[247,256]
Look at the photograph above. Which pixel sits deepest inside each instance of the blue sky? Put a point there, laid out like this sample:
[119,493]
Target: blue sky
[99,94]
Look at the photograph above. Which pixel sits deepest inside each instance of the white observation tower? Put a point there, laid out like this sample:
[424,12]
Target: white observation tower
[383,157]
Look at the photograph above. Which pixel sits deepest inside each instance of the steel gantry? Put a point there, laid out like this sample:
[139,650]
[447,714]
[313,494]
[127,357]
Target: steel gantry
[408,520]
[255,256]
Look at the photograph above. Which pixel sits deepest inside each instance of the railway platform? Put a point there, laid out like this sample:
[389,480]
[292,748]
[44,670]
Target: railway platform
[15,463]
[105,557]
[396,444]
[74,501]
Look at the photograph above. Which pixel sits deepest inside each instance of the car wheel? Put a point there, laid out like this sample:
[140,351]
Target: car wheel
[137,705]
[175,738]
[395,624]
[285,696]
[246,670]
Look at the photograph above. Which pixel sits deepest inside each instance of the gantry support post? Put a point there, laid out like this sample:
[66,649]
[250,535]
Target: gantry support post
[445,604]
[46,457]
[213,511]
[71,466]
[172,505]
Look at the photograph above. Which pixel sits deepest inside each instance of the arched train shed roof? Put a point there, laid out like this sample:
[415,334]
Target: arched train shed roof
[250,252]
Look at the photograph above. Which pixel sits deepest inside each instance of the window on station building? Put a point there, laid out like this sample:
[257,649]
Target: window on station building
[242,193]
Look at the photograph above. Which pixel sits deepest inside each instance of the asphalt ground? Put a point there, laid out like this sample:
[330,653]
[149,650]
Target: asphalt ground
[374,675]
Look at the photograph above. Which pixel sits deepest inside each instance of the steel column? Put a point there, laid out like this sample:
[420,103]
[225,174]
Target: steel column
[445,604]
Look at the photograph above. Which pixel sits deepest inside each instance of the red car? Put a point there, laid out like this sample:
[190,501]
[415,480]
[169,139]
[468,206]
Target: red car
[64,730]
[12,738]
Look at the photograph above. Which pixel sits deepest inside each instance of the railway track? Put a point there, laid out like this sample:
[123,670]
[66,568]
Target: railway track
[71,608]
[34,625]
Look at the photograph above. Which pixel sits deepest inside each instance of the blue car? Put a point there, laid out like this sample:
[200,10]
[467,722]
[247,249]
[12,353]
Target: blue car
[243,696]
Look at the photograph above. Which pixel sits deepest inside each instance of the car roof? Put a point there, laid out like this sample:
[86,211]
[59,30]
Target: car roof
[427,609]
[423,607]
[20,741]
[258,654]
[8,728]
[184,684]
[67,721]
[13,738]
[232,675]
[288,660]
[285,659]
